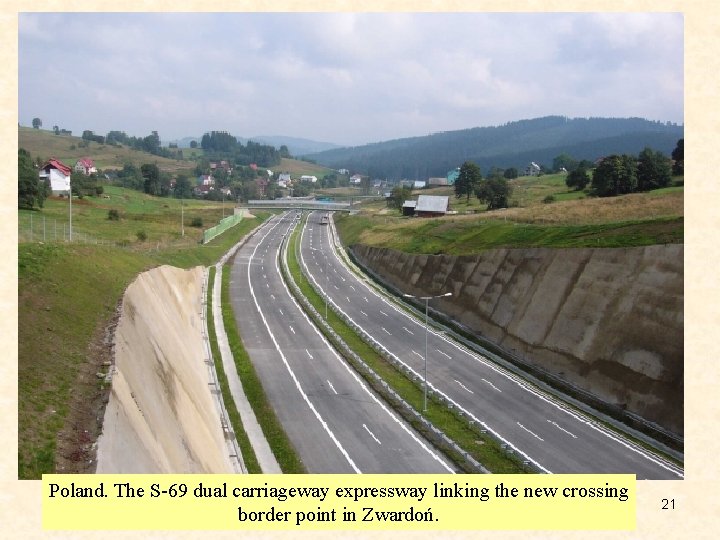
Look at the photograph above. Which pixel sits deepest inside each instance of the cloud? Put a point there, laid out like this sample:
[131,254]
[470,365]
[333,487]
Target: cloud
[344,77]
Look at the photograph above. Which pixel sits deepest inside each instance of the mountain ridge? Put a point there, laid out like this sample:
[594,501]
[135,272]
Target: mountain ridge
[513,144]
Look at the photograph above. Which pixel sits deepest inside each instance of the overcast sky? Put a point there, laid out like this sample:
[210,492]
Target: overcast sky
[343,78]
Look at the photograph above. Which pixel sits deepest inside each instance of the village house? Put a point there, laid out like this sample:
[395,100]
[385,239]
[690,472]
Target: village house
[284,180]
[86,166]
[408,208]
[206,180]
[533,169]
[59,175]
[432,205]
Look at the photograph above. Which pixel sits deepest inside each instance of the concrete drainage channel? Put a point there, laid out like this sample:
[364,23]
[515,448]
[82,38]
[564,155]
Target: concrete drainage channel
[232,446]
[437,437]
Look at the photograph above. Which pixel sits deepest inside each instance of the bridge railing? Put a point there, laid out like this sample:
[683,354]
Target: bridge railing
[299,205]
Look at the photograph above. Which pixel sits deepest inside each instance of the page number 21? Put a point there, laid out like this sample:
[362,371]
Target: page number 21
[668,504]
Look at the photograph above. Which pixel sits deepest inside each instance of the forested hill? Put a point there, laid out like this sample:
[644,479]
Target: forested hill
[514,144]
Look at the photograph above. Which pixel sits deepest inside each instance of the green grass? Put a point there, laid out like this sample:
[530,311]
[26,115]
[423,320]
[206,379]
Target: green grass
[161,219]
[67,296]
[465,236]
[246,449]
[484,449]
[281,446]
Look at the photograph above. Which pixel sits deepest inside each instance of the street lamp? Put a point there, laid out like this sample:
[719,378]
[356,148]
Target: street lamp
[427,300]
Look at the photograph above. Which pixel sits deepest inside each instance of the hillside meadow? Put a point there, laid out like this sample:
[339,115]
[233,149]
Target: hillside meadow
[573,219]
[68,294]
[68,149]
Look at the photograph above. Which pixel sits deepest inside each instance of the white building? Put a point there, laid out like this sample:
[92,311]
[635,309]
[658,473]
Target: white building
[59,175]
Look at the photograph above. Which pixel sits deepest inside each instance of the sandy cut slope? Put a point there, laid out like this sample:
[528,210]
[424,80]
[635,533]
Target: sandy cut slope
[161,417]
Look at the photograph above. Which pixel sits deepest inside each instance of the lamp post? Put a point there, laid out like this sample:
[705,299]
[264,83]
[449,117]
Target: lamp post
[427,301]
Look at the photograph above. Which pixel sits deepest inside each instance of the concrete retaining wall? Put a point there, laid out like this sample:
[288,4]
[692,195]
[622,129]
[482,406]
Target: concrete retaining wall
[161,417]
[608,321]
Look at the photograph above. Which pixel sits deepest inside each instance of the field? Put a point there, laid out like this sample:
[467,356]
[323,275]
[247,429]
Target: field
[573,220]
[298,167]
[45,144]
[67,299]
[157,219]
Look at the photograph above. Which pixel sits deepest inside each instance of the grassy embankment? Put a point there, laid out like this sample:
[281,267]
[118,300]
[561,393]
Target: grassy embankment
[484,449]
[631,220]
[68,294]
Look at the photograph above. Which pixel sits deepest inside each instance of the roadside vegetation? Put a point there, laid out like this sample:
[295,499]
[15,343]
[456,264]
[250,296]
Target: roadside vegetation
[246,449]
[68,294]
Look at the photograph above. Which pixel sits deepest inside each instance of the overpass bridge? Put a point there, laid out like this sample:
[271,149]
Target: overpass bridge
[302,204]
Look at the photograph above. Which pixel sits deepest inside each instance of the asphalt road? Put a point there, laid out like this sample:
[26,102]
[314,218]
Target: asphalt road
[335,422]
[536,426]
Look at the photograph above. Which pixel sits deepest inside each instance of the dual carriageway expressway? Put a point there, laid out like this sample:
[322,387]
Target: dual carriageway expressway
[337,424]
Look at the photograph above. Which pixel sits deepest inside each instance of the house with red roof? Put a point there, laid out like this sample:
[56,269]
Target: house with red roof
[59,175]
[86,166]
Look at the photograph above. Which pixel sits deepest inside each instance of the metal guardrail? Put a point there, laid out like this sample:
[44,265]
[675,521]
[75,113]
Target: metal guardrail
[234,452]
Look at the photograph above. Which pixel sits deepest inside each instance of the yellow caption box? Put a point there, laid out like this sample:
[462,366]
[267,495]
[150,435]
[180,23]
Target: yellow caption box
[339,502]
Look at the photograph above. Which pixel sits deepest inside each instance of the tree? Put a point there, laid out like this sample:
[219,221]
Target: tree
[564,161]
[578,179]
[36,123]
[615,175]
[183,188]
[494,191]
[398,196]
[151,179]
[284,152]
[467,180]
[193,144]
[56,130]
[653,170]
[31,190]
[511,173]
[678,155]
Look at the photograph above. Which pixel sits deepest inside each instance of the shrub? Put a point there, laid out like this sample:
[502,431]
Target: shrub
[549,199]
[196,222]
[113,215]
[141,236]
